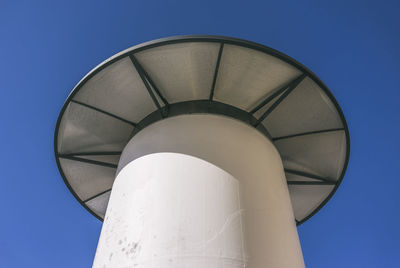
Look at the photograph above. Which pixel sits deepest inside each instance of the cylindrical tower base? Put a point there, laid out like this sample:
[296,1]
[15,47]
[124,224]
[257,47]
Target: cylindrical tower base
[199,191]
[184,213]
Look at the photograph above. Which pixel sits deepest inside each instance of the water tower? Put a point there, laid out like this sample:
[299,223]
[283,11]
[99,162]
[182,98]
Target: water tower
[201,151]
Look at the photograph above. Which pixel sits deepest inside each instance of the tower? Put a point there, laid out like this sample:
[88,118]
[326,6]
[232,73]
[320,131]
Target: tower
[201,151]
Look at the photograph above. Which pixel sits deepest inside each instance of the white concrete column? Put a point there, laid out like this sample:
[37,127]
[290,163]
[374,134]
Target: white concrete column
[199,191]
[184,213]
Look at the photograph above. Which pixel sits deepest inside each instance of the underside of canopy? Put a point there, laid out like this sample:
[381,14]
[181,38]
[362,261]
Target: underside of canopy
[190,74]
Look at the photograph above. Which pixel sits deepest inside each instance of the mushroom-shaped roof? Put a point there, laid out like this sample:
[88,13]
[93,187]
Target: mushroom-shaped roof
[189,74]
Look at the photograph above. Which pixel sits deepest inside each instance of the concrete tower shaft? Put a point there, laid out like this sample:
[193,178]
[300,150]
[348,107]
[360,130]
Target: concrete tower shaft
[199,190]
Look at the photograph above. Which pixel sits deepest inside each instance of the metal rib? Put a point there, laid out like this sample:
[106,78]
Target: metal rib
[97,195]
[152,83]
[271,97]
[104,112]
[310,183]
[89,161]
[216,71]
[290,88]
[91,153]
[146,81]
[312,176]
[307,133]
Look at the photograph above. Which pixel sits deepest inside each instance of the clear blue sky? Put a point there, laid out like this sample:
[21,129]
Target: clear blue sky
[46,47]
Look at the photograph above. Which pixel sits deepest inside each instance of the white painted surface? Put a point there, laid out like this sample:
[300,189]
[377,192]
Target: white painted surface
[172,209]
[183,213]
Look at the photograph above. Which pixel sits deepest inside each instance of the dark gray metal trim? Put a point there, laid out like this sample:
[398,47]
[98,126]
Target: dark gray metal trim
[97,195]
[307,133]
[221,48]
[104,112]
[148,77]
[90,153]
[286,93]
[89,161]
[310,183]
[202,107]
[309,175]
[272,96]
[146,82]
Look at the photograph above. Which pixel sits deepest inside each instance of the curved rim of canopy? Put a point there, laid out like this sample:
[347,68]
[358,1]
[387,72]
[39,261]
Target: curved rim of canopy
[212,39]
